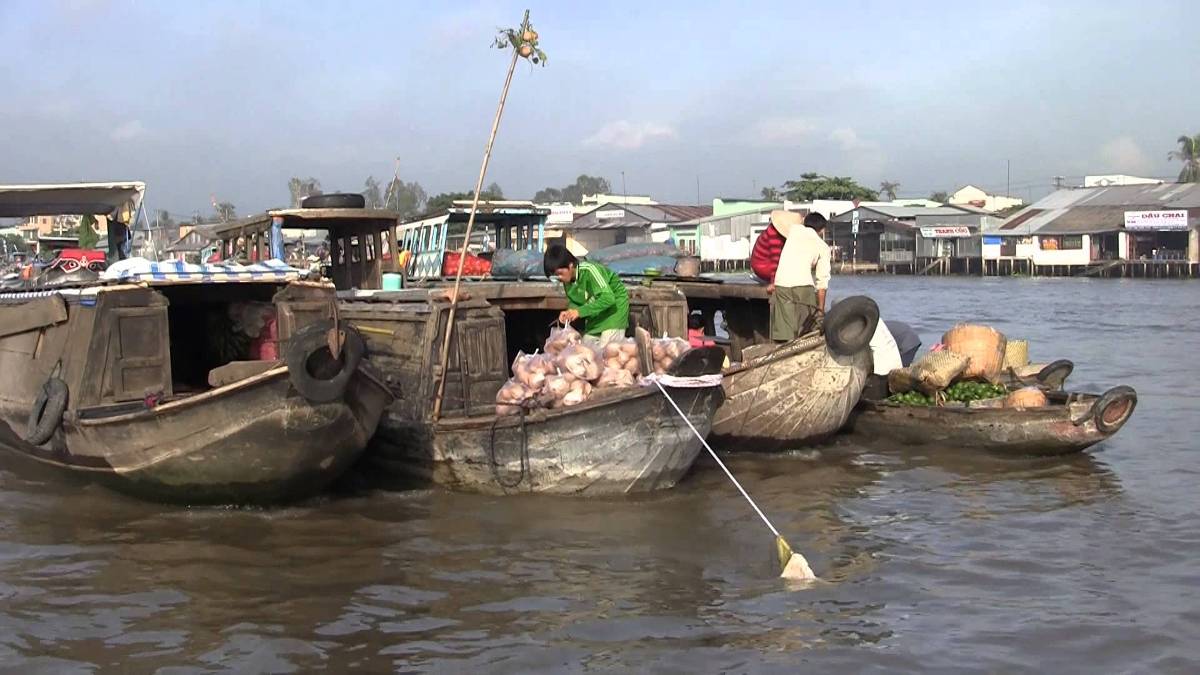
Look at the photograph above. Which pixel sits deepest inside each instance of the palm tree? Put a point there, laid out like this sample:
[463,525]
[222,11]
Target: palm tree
[889,187]
[1189,154]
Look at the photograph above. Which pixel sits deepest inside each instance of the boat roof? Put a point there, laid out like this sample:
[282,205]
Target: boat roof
[174,272]
[299,218]
[84,199]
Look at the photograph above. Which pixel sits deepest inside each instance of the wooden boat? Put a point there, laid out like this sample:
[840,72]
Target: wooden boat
[785,397]
[617,442]
[123,380]
[1072,422]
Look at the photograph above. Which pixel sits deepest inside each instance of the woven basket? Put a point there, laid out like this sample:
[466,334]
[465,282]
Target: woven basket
[901,381]
[1016,354]
[938,370]
[983,345]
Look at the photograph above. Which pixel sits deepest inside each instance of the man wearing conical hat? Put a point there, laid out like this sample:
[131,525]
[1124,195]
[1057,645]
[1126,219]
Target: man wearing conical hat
[802,278]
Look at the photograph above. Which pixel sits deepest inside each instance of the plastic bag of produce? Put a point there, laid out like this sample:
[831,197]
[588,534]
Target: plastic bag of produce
[611,254]
[531,370]
[512,397]
[517,264]
[666,351]
[616,377]
[983,345]
[621,355]
[560,339]
[581,361]
[564,390]
[936,371]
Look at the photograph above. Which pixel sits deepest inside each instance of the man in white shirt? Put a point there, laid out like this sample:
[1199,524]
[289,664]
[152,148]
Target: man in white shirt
[802,278]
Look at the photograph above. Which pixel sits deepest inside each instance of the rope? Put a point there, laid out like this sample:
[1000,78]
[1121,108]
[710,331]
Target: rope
[523,457]
[721,464]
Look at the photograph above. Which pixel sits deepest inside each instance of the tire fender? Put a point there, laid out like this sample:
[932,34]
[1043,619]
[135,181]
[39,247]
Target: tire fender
[1113,409]
[334,375]
[850,324]
[47,412]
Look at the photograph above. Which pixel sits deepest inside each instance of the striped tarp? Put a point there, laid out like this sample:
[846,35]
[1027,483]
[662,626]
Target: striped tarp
[179,272]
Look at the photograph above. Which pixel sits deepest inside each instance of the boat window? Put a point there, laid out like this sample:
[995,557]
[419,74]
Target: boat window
[369,246]
[341,251]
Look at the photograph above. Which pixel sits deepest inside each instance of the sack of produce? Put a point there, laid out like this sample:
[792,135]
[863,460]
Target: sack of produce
[621,355]
[982,345]
[560,339]
[666,351]
[1016,354]
[1026,397]
[512,397]
[901,380]
[611,254]
[581,361]
[936,371]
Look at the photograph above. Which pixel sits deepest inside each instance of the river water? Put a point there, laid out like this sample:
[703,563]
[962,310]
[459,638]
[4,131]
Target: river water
[932,561]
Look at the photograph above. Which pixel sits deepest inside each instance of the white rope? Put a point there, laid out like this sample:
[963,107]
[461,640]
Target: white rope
[714,456]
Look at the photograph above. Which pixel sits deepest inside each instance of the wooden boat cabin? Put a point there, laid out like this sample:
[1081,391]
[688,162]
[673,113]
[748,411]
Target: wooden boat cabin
[174,380]
[434,240]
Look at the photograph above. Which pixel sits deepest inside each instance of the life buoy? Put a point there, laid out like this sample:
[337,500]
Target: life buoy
[850,324]
[313,371]
[47,412]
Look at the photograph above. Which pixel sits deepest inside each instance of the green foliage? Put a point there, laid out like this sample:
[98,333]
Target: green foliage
[888,188]
[771,194]
[87,232]
[225,212]
[813,186]
[446,199]
[524,40]
[583,185]
[303,187]
[1189,154]
[14,243]
[407,199]
[371,193]
[940,196]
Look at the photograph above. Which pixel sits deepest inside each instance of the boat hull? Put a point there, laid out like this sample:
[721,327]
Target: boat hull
[255,441]
[1064,427]
[799,394]
[618,442]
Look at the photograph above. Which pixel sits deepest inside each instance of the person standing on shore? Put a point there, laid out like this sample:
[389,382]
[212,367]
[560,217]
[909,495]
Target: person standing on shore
[802,278]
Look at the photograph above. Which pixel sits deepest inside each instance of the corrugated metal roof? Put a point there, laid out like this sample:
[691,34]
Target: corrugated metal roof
[1100,209]
[638,215]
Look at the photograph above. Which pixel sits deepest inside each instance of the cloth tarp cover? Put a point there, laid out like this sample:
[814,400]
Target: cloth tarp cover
[177,271]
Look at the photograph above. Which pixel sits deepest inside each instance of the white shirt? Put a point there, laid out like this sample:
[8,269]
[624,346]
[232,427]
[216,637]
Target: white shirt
[884,351]
[804,260]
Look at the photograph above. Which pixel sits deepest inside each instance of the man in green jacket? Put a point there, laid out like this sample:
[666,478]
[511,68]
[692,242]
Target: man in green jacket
[594,293]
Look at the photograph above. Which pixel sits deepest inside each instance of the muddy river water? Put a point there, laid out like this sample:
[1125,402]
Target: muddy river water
[943,561]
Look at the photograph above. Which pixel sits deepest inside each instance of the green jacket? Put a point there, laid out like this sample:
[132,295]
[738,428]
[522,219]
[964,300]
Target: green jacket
[600,298]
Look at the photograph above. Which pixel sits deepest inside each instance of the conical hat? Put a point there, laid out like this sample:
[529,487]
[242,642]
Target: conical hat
[784,220]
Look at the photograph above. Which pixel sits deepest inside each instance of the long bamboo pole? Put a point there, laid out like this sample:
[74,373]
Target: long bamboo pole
[462,255]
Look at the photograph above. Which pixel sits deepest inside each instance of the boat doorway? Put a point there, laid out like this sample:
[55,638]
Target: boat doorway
[213,325]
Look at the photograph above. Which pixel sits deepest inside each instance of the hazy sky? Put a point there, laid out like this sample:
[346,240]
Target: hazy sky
[232,98]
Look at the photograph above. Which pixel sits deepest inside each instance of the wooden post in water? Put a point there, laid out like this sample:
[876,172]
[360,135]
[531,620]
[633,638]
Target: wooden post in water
[462,254]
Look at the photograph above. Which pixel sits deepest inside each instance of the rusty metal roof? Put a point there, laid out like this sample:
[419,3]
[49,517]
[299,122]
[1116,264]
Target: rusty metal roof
[1102,209]
[637,215]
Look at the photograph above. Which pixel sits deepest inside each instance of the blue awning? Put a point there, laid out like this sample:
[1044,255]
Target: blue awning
[179,272]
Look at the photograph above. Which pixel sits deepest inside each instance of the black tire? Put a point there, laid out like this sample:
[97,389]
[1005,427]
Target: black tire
[1055,374]
[850,324]
[698,361]
[47,413]
[334,200]
[313,371]
[1114,408]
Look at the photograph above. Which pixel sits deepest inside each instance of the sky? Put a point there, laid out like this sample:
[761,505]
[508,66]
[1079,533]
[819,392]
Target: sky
[217,99]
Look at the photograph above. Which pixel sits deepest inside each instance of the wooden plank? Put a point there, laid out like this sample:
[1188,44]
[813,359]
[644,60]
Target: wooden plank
[33,315]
